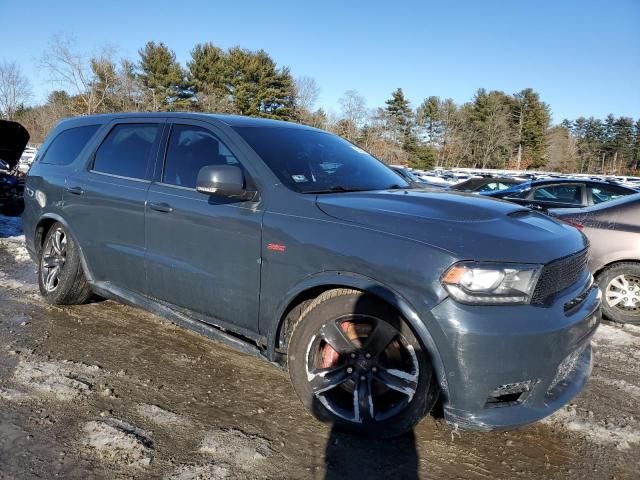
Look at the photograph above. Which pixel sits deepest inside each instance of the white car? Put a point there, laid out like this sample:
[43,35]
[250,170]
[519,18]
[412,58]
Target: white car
[24,164]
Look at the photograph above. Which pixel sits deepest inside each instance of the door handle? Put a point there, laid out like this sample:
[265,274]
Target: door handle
[75,190]
[160,207]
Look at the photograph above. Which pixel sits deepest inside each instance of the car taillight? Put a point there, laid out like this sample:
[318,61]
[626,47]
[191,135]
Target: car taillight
[579,226]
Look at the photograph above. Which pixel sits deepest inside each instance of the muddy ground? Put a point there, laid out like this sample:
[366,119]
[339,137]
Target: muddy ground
[109,391]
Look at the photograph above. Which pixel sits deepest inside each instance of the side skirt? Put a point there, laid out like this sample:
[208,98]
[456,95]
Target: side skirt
[108,290]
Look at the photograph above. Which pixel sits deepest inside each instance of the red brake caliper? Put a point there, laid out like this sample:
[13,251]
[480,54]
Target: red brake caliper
[329,355]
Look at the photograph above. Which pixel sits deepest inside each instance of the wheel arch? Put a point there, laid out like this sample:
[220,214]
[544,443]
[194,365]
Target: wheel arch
[42,228]
[613,263]
[315,285]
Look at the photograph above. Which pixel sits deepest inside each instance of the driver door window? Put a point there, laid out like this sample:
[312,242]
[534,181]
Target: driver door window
[191,148]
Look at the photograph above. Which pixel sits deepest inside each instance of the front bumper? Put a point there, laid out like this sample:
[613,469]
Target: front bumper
[485,348]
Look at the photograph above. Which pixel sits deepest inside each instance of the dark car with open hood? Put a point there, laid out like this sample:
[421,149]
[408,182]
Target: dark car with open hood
[294,245]
[13,140]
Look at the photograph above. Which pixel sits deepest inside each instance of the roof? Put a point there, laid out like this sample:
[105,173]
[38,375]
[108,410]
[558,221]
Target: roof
[230,120]
[586,181]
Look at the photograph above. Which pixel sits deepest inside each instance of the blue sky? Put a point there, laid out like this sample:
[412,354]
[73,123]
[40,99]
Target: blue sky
[583,57]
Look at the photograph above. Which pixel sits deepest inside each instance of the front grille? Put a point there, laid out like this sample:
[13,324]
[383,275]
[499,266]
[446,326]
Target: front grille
[558,275]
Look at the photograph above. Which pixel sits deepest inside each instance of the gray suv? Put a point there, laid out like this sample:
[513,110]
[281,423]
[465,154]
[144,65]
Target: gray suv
[294,245]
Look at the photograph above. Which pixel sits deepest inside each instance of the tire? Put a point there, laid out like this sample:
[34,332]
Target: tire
[67,285]
[621,283]
[355,363]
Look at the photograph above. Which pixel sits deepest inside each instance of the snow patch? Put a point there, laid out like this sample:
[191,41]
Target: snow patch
[12,395]
[22,276]
[63,381]
[615,336]
[199,472]
[620,384]
[621,434]
[245,451]
[160,416]
[118,442]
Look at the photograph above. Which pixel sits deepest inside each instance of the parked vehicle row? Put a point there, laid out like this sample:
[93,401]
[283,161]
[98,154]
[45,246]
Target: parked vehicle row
[561,193]
[292,244]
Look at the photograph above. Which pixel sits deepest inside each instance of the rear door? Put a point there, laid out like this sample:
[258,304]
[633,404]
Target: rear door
[105,201]
[203,252]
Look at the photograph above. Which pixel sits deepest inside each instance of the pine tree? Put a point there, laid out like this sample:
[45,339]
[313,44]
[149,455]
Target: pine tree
[531,124]
[257,87]
[163,78]
[207,78]
[402,120]
[428,117]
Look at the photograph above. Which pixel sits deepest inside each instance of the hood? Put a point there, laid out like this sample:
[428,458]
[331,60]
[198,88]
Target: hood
[13,140]
[466,225]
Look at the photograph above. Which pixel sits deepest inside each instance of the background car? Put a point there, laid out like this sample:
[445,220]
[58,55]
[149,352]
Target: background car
[562,193]
[11,193]
[487,184]
[413,179]
[613,228]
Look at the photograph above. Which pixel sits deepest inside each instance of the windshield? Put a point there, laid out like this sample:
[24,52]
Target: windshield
[310,161]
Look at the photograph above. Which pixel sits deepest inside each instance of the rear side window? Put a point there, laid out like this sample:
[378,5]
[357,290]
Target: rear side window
[126,150]
[604,194]
[67,145]
[559,193]
[191,148]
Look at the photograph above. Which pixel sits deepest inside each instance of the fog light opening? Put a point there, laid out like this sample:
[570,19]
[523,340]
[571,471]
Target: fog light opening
[509,394]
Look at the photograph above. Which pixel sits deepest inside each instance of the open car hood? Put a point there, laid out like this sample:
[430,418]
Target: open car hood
[13,140]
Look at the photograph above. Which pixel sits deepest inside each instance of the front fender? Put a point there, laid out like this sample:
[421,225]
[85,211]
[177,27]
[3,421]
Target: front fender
[613,257]
[341,279]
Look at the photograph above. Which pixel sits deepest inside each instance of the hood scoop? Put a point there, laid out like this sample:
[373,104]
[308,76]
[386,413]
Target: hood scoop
[519,213]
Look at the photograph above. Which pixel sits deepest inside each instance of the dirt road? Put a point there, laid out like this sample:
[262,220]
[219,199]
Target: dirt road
[109,391]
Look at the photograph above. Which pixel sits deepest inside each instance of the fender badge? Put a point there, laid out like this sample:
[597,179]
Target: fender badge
[276,247]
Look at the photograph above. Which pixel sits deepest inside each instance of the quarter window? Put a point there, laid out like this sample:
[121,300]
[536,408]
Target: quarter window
[126,150]
[191,148]
[67,145]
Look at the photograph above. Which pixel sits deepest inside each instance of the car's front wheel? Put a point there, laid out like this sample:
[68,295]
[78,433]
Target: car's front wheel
[354,362]
[60,274]
[620,284]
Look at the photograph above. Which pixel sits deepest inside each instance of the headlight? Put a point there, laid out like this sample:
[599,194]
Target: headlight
[491,283]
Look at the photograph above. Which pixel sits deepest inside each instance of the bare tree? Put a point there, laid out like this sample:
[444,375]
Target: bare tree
[354,113]
[15,89]
[90,79]
[562,155]
[307,92]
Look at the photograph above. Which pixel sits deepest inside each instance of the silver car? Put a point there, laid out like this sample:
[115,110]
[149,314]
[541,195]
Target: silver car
[613,228]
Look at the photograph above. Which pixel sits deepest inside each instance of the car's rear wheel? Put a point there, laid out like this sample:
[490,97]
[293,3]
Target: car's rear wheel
[60,275]
[620,285]
[355,362]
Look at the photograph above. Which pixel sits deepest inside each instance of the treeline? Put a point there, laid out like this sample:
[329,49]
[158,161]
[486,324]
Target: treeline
[493,130]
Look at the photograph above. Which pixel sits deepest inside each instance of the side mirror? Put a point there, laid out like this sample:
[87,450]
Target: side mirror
[222,180]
